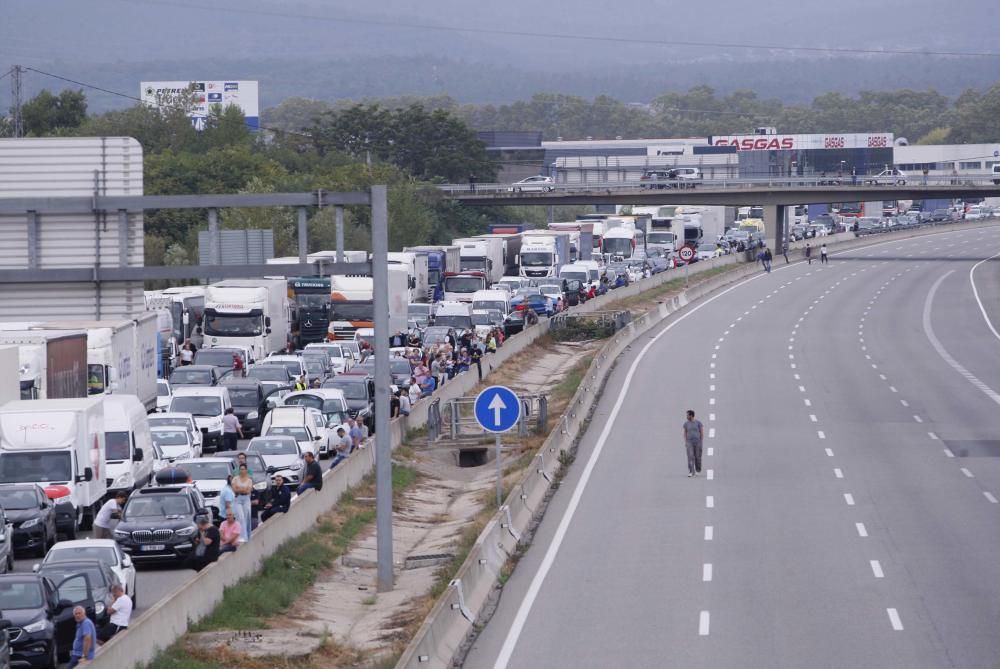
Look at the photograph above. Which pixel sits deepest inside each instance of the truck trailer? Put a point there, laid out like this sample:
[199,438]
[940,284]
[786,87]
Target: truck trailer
[352,307]
[252,313]
[51,365]
[440,260]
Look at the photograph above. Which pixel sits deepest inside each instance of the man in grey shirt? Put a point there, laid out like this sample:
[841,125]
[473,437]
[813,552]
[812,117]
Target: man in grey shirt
[693,434]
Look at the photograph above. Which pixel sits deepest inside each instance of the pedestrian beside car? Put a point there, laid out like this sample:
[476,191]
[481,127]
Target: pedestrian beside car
[404,402]
[231,532]
[767,259]
[693,436]
[313,478]
[355,432]
[823,259]
[187,353]
[279,498]
[227,497]
[121,613]
[85,641]
[206,551]
[477,359]
[414,390]
[809,253]
[242,485]
[237,365]
[230,430]
[109,515]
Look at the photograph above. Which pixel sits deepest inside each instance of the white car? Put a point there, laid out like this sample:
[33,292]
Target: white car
[184,420]
[306,423]
[708,252]
[209,476]
[171,444]
[106,550]
[887,178]
[538,184]
[163,395]
[341,359]
[281,454]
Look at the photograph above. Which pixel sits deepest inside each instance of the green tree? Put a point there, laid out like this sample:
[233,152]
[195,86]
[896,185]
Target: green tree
[157,130]
[47,114]
[977,117]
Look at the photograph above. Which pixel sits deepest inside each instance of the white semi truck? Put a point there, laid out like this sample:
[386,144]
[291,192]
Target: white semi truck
[248,313]
[482,254]
[59,445]
[352,308]
[543,253]
[121,355]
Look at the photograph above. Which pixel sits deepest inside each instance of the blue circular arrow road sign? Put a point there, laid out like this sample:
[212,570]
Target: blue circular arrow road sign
[497,409]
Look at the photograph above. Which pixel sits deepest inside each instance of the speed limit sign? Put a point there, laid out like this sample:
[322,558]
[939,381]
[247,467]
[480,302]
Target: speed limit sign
[686,253]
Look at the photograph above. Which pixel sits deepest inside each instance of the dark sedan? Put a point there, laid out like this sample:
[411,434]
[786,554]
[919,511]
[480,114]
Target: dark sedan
[41,616]
[101,579]
[194,375]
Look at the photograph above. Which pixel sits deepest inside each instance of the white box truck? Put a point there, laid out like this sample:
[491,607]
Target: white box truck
[482,254]
[416,268]
[51,365]
[121,355]
[252,313]
[59,445]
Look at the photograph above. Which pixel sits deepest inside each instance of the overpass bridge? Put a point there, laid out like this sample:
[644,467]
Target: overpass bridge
[774,193]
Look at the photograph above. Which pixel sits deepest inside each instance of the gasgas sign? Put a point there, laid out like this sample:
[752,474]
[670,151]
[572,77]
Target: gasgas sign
[857,140]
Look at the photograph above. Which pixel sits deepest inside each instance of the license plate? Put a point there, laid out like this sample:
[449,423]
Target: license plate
[152,547]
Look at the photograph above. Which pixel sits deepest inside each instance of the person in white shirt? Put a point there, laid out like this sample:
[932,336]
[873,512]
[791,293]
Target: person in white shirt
[109,515]
[121,613]
[414,391]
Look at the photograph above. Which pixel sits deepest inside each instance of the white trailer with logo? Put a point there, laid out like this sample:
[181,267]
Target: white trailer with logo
[248,313]
[59,445]
[416,268]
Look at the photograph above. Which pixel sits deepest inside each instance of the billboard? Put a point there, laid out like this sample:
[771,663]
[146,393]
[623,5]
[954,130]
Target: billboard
[857,140]
[204,94]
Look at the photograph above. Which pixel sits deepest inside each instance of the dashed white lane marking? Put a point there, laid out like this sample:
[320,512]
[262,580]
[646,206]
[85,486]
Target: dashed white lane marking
[990,497]
[711,365]
[904,403]
[874,366]
[948,453]
[894,620]
[849,498]
[829,452]
[711,388]
[796,376]
[714,356]
[813,418]
[933,436]
[711,401]
[711,416]
[862,531]
[704,621]
[918,419]
[791,356]
[802,389]
[893,389]
[793,365]
[966,472]
[709,532]
[709,502]
[808,403]
[711,452]
[710,474]
[882,376]
[706,572]
[836,472]
[820,434]
[711,433]
[877,569]
[711,375]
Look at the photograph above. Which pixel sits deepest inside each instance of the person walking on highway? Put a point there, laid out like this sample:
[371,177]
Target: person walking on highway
[242,485]
[822,255]
[767,259]
[230,429]
[85,641]
[693,435]
[809,253]
[784,251]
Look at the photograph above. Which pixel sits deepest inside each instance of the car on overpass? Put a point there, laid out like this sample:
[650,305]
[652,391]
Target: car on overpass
[537,184]
[889,177]
[675,177]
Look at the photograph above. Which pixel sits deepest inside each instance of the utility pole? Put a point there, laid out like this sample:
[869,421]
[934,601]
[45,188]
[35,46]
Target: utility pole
[383,448]
[17,101]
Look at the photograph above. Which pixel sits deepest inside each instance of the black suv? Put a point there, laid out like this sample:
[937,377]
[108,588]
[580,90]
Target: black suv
[33,516]
[249,402]
[158,524]
[40,612]
[359,393]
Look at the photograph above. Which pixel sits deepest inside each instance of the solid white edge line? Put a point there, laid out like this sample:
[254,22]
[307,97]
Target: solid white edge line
[514,633]
[894,620]
[975,293]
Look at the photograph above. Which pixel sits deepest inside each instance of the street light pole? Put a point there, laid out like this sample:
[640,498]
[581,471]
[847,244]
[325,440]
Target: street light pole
[383,447]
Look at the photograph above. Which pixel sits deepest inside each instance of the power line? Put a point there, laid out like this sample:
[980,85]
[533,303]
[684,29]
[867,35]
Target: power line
[566,36]
[6,74]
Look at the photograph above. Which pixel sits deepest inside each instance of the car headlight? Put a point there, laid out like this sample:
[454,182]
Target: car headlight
[99,608]
[37,626]
[123,481]
[252,415]
[260,486]
[121,534]
[31,522]
[187,531]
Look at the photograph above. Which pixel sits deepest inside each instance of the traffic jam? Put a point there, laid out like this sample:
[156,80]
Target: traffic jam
[163,441]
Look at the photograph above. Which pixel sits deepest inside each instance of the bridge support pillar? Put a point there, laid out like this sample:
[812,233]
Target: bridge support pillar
[774,226]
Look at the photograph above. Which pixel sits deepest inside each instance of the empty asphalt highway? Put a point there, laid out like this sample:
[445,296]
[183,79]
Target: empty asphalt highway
[847,514]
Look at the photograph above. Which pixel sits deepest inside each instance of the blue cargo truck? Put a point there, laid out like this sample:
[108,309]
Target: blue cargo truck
[440,259]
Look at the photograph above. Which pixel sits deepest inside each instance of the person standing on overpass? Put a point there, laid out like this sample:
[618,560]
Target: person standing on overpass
[694,432]
[822,255]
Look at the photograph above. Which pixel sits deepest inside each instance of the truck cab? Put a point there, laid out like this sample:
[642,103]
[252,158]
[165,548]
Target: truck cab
[309,299]
[461,286]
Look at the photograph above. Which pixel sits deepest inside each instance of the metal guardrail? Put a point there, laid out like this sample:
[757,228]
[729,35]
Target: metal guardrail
[831,183]
[459,416]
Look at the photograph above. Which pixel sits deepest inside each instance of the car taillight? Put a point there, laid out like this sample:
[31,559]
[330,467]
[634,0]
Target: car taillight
[54,492]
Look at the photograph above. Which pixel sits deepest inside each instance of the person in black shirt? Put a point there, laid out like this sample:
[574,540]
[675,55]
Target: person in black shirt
[477,360]
[279,498]
[313,477]
[206,551]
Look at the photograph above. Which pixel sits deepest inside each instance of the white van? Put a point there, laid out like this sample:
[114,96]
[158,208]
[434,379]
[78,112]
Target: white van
[456,315]
[306,424]
[580,271]
[128,446]
[208,405]
[491,299]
